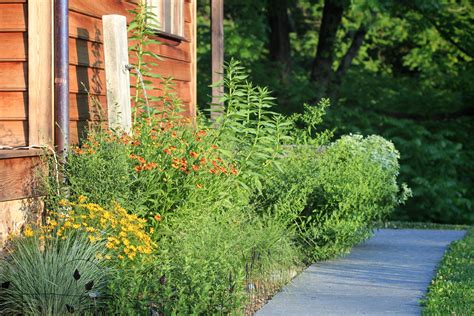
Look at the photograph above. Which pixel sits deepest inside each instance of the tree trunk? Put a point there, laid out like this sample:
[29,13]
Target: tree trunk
[279,35]
[346,62]
[321,71]
[351,53]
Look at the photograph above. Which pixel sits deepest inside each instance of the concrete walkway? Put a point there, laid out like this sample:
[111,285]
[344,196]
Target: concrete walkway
[387,275]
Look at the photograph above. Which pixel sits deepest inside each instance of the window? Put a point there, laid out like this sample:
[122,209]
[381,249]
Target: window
[170,15]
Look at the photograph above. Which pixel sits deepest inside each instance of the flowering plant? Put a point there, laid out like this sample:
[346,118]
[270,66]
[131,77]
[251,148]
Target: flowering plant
[124,235]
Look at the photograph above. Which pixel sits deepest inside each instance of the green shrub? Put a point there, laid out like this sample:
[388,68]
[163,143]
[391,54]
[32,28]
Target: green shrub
[335,194]
[356,187]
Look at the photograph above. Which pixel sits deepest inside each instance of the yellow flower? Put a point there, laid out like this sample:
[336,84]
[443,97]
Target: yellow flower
[28,232]
[81,199]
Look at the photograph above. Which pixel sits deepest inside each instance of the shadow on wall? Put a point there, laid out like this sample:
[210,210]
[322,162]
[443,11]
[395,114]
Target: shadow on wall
[89,73]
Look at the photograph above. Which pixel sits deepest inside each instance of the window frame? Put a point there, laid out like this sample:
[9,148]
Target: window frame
[156,8]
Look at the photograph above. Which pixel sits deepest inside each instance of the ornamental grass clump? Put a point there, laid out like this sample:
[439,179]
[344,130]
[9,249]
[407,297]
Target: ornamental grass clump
[52,276]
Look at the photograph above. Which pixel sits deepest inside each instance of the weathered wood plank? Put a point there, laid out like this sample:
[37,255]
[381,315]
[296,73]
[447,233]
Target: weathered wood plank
[15,214]
[193,89]
[78,129]
[86,53]
[13,46]
[19,177]
[85,27]
[13,17]
[13,106]
[13,76]
[84,107]
[85,79]
[217,51]
[181,88]
[177,69]
[40,90]
[118,77]
[14,133]
[99,8]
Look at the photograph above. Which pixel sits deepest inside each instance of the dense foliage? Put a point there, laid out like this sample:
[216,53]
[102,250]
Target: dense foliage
[400,69]
[452,290]
[205,219]
[182,217]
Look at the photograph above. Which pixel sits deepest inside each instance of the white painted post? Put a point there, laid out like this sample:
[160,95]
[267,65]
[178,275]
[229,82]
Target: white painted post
[117,76]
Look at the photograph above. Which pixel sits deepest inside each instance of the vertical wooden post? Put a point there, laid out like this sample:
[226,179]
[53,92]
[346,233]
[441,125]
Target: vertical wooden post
[193,105]
[217,49]
[40,88]
[117,75]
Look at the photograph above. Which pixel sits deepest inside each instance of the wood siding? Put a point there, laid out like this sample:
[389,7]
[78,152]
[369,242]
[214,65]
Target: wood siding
[13,73]
[87,75]
[87,81]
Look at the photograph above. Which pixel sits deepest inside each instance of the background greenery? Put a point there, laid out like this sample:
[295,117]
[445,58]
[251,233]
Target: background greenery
[408,75]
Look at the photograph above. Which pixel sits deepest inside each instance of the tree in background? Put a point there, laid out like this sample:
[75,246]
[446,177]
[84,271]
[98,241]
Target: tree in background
[403,69]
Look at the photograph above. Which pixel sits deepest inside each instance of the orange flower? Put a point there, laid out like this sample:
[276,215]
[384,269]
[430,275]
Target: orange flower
[136,143]
[78,151]
[150,166]
[203,161]
[195,167]
[214,147]
[138,168]
[169,150]
[233,171]
[132,156]
[176,163]
[141,159]
[202,133]
[199,186]
[193,154]
[157,217]
[173,134]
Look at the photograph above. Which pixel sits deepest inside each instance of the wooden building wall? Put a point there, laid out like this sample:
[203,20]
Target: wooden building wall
[13,73]
[26,100]
[87,60]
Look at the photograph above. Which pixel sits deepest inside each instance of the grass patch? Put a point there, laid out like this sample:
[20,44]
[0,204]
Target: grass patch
[452,290]
[422,225]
